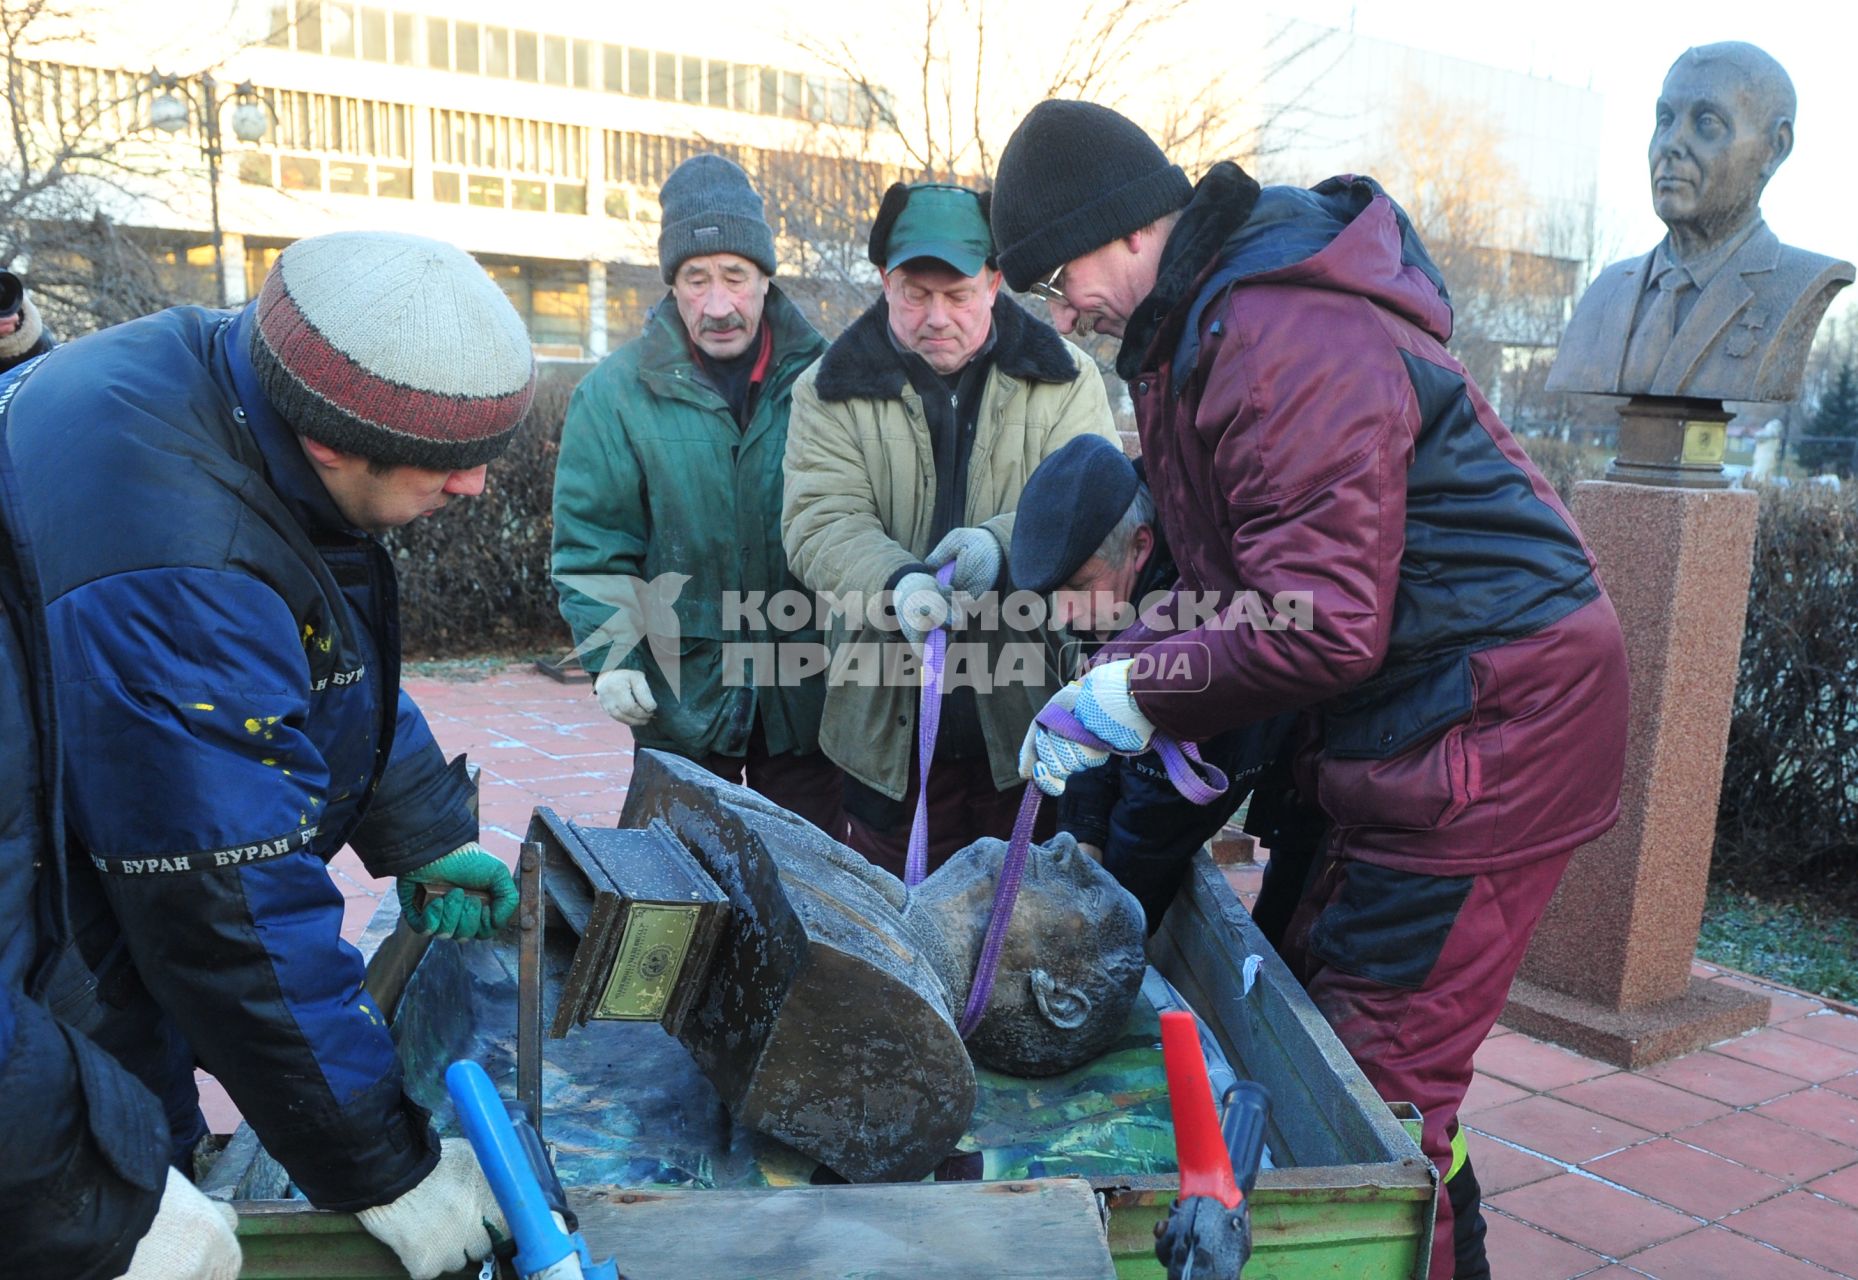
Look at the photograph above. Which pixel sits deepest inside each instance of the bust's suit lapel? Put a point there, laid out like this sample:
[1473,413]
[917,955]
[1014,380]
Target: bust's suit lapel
[1697,341]
[1615,331]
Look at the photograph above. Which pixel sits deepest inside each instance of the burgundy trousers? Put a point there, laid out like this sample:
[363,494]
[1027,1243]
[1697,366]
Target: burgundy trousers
[1411,971]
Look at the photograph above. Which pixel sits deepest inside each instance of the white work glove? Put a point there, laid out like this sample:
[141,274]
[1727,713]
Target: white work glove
[922,605]
[191,1238]
[977,557]
[1107,708]
[1047,759]
[439,1225]
[626,696]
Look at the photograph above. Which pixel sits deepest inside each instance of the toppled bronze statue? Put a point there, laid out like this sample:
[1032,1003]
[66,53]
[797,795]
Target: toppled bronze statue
[828,1006]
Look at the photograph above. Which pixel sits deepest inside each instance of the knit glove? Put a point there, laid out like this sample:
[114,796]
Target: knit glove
[922,605]
[455,913]
[1048,758]
[191,1238]
[444,1223]
[977,557]
[1107,708]
[626,696]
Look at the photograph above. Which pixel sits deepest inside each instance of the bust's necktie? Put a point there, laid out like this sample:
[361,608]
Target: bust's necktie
[1651,336]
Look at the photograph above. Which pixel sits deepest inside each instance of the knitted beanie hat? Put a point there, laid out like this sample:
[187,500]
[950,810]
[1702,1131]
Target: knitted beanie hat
[1074,177]
[394,347]
[709,207]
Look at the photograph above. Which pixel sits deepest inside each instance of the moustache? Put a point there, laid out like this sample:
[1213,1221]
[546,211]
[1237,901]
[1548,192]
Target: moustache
[727,324]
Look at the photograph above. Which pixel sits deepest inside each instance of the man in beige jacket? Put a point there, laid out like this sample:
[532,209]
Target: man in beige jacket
[907,449]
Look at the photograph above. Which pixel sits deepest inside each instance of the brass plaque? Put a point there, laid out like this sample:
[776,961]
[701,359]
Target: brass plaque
[1705,441]
[651,954]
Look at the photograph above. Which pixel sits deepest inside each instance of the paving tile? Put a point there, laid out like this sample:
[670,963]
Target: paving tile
[1614,1272]
[1845,1084]
[1521,1252]
[1821,1231]
[1826,1112]
[1740,1084]
[1695,1181]
[1487,1092]
[1781,1050]
[1559,1129]
[1534,1065]
[1649,1104]
[1842,1185]
[1713,1253]
[1501,1167]
[1593,1215]
[1770,1146]
[1827,1027]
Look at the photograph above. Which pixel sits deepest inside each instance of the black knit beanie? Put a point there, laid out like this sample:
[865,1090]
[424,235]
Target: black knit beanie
[1074,177]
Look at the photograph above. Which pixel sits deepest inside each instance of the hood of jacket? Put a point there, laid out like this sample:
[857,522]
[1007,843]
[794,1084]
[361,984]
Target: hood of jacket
[1344,234]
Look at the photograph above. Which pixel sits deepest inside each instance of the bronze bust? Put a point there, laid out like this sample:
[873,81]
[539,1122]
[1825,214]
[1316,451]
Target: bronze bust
[1720,309]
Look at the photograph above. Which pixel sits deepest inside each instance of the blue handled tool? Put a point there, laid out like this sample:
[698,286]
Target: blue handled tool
[543,1250]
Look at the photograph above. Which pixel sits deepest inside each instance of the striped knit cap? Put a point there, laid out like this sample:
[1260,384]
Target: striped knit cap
[393,347]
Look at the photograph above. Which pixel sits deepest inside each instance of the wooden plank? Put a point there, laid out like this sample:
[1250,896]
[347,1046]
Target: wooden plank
[1033,1230]
[1324,1111]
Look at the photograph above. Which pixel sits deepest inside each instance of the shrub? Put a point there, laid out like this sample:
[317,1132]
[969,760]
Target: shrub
[474,577]
[1564,463]
[1789,813]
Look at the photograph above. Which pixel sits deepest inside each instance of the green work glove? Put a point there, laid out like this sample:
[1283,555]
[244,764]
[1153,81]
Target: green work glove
[454,913]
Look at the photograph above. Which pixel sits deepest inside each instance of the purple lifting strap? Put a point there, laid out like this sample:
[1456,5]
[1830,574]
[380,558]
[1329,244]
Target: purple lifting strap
[1181,759]
[928,722]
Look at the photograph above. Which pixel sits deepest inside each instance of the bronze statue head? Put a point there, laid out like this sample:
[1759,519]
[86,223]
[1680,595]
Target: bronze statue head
[1725,122]
[1072,964]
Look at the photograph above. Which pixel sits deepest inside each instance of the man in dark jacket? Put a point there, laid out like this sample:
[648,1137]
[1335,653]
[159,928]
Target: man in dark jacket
[1087,538]
[202,489]
[670,472]
[1305,430]
[86,1191]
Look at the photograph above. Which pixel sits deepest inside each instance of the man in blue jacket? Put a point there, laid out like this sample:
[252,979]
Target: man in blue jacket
[1096,550]
[86,1191]
[203,489]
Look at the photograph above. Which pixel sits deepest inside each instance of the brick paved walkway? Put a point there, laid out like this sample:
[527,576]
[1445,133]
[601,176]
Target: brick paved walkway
[1736,1163]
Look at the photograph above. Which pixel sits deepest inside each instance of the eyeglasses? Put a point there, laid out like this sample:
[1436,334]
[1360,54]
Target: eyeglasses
[1051,288]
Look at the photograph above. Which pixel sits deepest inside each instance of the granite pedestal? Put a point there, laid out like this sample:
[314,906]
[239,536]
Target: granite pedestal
[1609,971]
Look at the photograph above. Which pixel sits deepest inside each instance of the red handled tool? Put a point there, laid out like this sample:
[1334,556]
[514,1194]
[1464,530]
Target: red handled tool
[1208,1232]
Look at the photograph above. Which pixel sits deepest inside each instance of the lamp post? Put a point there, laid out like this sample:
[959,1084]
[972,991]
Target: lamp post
[169,112]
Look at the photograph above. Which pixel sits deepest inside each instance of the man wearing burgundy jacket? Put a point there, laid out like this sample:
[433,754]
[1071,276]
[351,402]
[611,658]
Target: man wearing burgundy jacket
[1306,432]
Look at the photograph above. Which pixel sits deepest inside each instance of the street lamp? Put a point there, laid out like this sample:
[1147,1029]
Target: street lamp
[170,111]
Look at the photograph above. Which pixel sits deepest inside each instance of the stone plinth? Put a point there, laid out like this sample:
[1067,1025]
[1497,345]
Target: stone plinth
[1609,970]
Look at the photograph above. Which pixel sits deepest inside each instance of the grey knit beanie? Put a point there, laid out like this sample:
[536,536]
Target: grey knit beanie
[392,347]
[1074,177]
[709,207]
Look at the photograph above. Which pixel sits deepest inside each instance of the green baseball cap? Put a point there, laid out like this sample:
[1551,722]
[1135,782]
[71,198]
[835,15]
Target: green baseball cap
[943,222]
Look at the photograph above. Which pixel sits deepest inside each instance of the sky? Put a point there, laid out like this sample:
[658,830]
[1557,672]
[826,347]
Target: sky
[1622,49]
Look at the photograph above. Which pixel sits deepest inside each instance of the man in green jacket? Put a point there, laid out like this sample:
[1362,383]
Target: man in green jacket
[911,441]
[667,546]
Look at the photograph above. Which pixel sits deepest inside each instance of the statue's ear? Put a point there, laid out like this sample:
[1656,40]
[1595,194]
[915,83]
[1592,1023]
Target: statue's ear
[1780,142]
[1066,1008]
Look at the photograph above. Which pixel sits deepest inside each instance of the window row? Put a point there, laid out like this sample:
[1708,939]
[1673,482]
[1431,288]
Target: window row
[477,48]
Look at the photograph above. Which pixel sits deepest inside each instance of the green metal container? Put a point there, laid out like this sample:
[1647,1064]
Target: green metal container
[1354,1199]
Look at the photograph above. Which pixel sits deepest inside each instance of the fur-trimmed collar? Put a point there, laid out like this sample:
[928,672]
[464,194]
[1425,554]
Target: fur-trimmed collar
[862,364]
[1221,203]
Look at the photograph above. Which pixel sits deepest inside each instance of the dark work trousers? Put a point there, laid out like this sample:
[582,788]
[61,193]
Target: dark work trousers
[809,785]
[1411,972]
[963,807]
